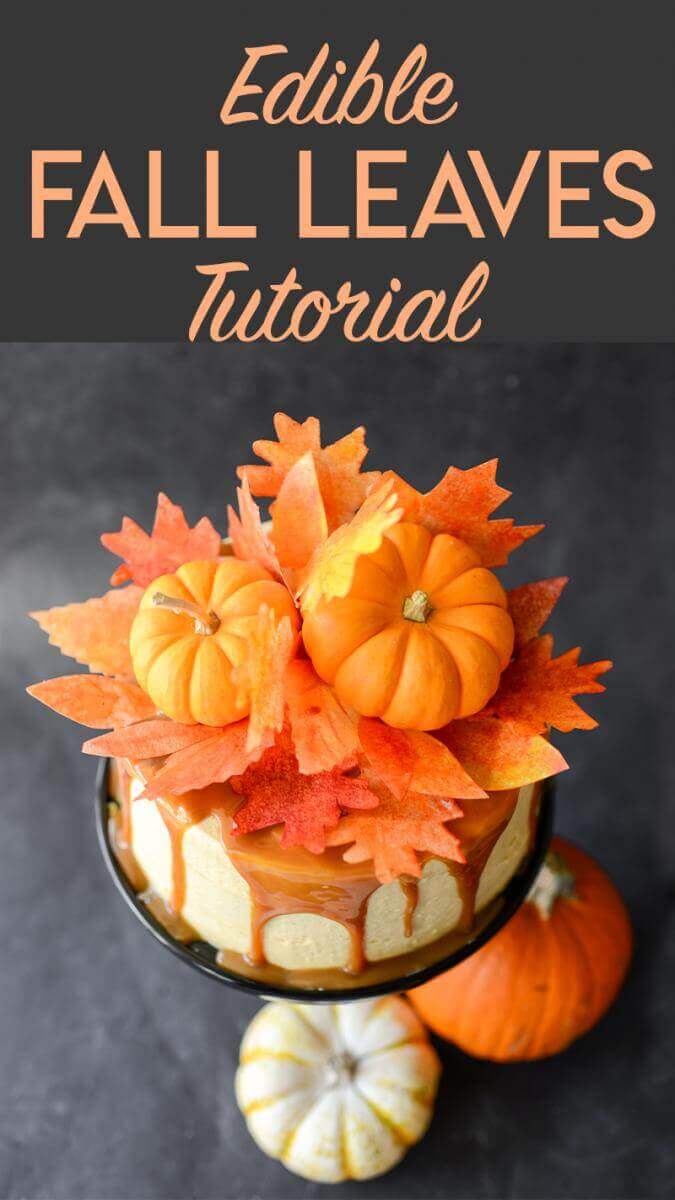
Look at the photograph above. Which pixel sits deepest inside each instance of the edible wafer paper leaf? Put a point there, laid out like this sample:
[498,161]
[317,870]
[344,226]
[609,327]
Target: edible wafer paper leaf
[95,632]
[323,734]
[308,806]
[500,754]
[147,739]
[461,504]
[338,466]
[299,522]
[389,753]
[409,759]
[531,605]
[396,832]
[172,542]
[215,759]
[250,541]
[438,773]
[536,690]
[94,700]
[331,568]
[260,679]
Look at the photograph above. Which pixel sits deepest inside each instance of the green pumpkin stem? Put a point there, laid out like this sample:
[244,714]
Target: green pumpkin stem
[417,607]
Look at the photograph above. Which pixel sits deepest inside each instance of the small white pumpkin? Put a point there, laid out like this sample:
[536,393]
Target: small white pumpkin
[339,1091]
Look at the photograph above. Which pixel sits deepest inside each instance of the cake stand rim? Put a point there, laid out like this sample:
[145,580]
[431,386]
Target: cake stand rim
[512,897]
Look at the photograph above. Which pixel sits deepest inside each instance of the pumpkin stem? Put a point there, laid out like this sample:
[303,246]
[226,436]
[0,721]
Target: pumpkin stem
[555,881]
[417,607]
[340,1069]
[206,623]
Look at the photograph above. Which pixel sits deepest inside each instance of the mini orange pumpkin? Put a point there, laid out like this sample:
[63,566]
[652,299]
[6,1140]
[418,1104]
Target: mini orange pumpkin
[191,632]
[421,637]
[547,977]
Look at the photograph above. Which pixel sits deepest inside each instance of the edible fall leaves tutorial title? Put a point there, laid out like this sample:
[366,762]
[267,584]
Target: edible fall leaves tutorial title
[328,93]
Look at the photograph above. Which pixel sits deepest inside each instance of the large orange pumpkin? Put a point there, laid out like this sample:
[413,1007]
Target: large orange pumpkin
[422,635]
[191,632]
[548,975]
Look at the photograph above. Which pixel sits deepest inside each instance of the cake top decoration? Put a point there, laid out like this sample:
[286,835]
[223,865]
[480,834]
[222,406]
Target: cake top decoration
[352,667]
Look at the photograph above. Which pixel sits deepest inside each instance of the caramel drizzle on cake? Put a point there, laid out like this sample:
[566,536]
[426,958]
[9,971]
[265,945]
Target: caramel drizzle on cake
[294,881]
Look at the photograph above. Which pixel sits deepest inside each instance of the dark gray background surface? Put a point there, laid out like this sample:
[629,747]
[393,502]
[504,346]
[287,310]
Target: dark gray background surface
[116,1062]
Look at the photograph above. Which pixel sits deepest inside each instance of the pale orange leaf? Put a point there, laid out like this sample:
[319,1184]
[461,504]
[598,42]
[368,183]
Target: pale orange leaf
[172,542]
[95,632]
[94,700]
[338,466]
[323,734]
[499,755]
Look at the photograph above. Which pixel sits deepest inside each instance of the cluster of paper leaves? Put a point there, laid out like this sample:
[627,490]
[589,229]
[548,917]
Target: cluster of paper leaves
[300,760]
[337,468]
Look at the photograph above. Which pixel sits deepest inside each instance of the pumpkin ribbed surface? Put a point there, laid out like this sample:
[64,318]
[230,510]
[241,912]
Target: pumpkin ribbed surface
[549,974]
[422,636]
[186,667]
[338,1091]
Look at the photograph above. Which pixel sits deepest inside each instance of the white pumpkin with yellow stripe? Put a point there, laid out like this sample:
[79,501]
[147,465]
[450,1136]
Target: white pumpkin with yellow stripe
[339,1091]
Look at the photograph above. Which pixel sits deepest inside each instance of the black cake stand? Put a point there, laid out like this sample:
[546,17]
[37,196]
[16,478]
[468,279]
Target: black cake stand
[202,956]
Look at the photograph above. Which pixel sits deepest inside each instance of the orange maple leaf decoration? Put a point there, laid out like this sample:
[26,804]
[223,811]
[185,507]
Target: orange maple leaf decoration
[323,734]
[95,632]
[172,542]
[247,533]
[338,466]
[260,680]
[147,739]
[501,754]
[395,832]
[331,569]
[216,758]
[308,806]
[409,759]
[461,504]
[94,700]
[299,521]
[536,690]
[531,605]
[300,760]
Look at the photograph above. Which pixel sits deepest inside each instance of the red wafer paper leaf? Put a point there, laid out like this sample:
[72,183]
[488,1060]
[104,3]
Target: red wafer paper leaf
[95,632]
[172,542]
[148,739]
[438,773]
[214,760]
[338,466]
[308,806]
[247,534]
[394,832]
[461,504]
[536,690]
[94,700]
[323,734]
[299,522]
[389,753]
[499,754]
[260,680]
[331,568]
[531,605]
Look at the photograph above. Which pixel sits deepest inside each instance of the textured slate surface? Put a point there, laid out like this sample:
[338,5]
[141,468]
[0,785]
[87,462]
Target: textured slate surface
[115,1061]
